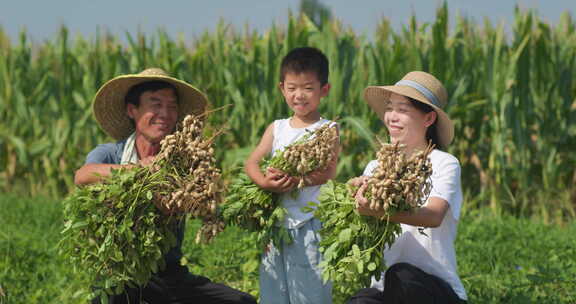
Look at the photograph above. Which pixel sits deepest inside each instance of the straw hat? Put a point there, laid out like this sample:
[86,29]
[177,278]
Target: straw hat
[110,109]
[422,87]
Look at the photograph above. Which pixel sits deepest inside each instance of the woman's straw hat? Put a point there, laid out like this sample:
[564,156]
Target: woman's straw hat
[110,109]
[422,87]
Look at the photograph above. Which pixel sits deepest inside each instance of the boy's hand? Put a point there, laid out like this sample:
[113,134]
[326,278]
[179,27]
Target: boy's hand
[278,181]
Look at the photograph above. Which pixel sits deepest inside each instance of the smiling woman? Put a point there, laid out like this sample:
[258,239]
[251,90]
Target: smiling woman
[422,261]
[406,123]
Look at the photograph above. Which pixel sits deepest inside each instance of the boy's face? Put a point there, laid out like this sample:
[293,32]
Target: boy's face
[303,92]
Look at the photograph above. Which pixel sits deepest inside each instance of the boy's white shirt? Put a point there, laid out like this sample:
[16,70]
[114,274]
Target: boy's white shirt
[434,253]
[284,135]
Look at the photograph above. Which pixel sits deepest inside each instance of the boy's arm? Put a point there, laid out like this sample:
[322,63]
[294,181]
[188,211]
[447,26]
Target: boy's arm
[271,180]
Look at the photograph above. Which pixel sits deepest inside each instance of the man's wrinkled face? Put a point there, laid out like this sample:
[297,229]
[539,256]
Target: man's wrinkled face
[157,114]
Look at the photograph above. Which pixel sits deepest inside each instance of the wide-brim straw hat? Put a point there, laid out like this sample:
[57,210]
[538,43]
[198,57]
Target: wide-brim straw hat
[109,105]
[419,86]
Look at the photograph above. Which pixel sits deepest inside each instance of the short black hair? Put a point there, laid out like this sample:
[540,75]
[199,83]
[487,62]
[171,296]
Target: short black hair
[133,95]
[305,59]
[431,134]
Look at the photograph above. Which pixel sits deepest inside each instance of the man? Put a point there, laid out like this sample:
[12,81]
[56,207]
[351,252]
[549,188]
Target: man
[139,111]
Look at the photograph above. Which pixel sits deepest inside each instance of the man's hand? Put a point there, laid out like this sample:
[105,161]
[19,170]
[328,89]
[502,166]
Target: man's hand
[147,161]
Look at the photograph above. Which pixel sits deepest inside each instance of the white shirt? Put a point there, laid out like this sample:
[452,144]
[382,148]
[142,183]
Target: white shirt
[284,135]
[435,253]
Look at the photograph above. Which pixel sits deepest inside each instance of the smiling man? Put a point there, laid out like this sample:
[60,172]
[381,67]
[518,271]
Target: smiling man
[139,111]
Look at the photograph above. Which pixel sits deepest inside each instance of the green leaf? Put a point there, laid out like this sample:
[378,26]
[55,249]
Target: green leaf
[306,209]
[356,251]
[360,266]
[345,235]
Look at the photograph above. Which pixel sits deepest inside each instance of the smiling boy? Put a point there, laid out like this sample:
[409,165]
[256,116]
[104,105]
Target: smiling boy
[290,274]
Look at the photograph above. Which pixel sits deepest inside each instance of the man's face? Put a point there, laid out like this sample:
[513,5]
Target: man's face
[157,114]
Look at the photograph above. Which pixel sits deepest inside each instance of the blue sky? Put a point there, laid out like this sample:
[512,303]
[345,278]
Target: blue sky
[43,18]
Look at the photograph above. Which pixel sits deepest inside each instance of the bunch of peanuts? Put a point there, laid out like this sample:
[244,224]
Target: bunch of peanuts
[314,152]
[399,183]
[194,183]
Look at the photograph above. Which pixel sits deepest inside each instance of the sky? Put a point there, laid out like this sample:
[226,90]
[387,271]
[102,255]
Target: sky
[42,19]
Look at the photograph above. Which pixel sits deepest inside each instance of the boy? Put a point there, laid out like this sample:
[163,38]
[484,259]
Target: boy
[290,274]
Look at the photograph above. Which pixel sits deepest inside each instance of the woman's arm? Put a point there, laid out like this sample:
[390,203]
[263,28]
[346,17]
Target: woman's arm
[430,214]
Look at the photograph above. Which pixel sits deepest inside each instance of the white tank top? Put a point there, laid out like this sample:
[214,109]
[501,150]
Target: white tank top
[284,135]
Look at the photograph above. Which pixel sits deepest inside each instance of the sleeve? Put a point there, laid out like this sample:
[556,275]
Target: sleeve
[446,184]
[275,136]
[332,124]
[370,168]
[102,154]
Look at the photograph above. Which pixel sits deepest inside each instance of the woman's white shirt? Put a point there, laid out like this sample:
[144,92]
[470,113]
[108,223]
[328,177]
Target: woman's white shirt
[433,252]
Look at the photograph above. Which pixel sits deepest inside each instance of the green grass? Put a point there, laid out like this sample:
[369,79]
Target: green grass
[31,271]
[501,259]
[510,260]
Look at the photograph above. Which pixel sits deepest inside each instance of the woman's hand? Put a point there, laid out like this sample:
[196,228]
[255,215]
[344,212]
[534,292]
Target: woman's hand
[357,181]
[363,205]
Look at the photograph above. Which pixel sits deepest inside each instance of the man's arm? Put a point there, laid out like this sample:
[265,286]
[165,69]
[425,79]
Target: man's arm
[94,173]
[100,162]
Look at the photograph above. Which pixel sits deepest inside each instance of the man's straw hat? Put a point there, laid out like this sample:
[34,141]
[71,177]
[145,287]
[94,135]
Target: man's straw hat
[110,109]
[422,87]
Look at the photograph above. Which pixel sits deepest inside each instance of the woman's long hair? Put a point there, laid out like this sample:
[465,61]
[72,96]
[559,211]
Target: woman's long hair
[431,134]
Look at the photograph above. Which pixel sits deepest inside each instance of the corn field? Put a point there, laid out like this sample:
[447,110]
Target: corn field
[512,97]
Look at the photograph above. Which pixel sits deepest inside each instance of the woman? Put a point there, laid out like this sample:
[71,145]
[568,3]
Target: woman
[421,264]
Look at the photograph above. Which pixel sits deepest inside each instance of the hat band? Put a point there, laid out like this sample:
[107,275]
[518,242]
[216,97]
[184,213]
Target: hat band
[422,89]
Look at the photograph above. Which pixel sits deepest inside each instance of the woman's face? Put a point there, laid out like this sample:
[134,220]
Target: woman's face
[406,124]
